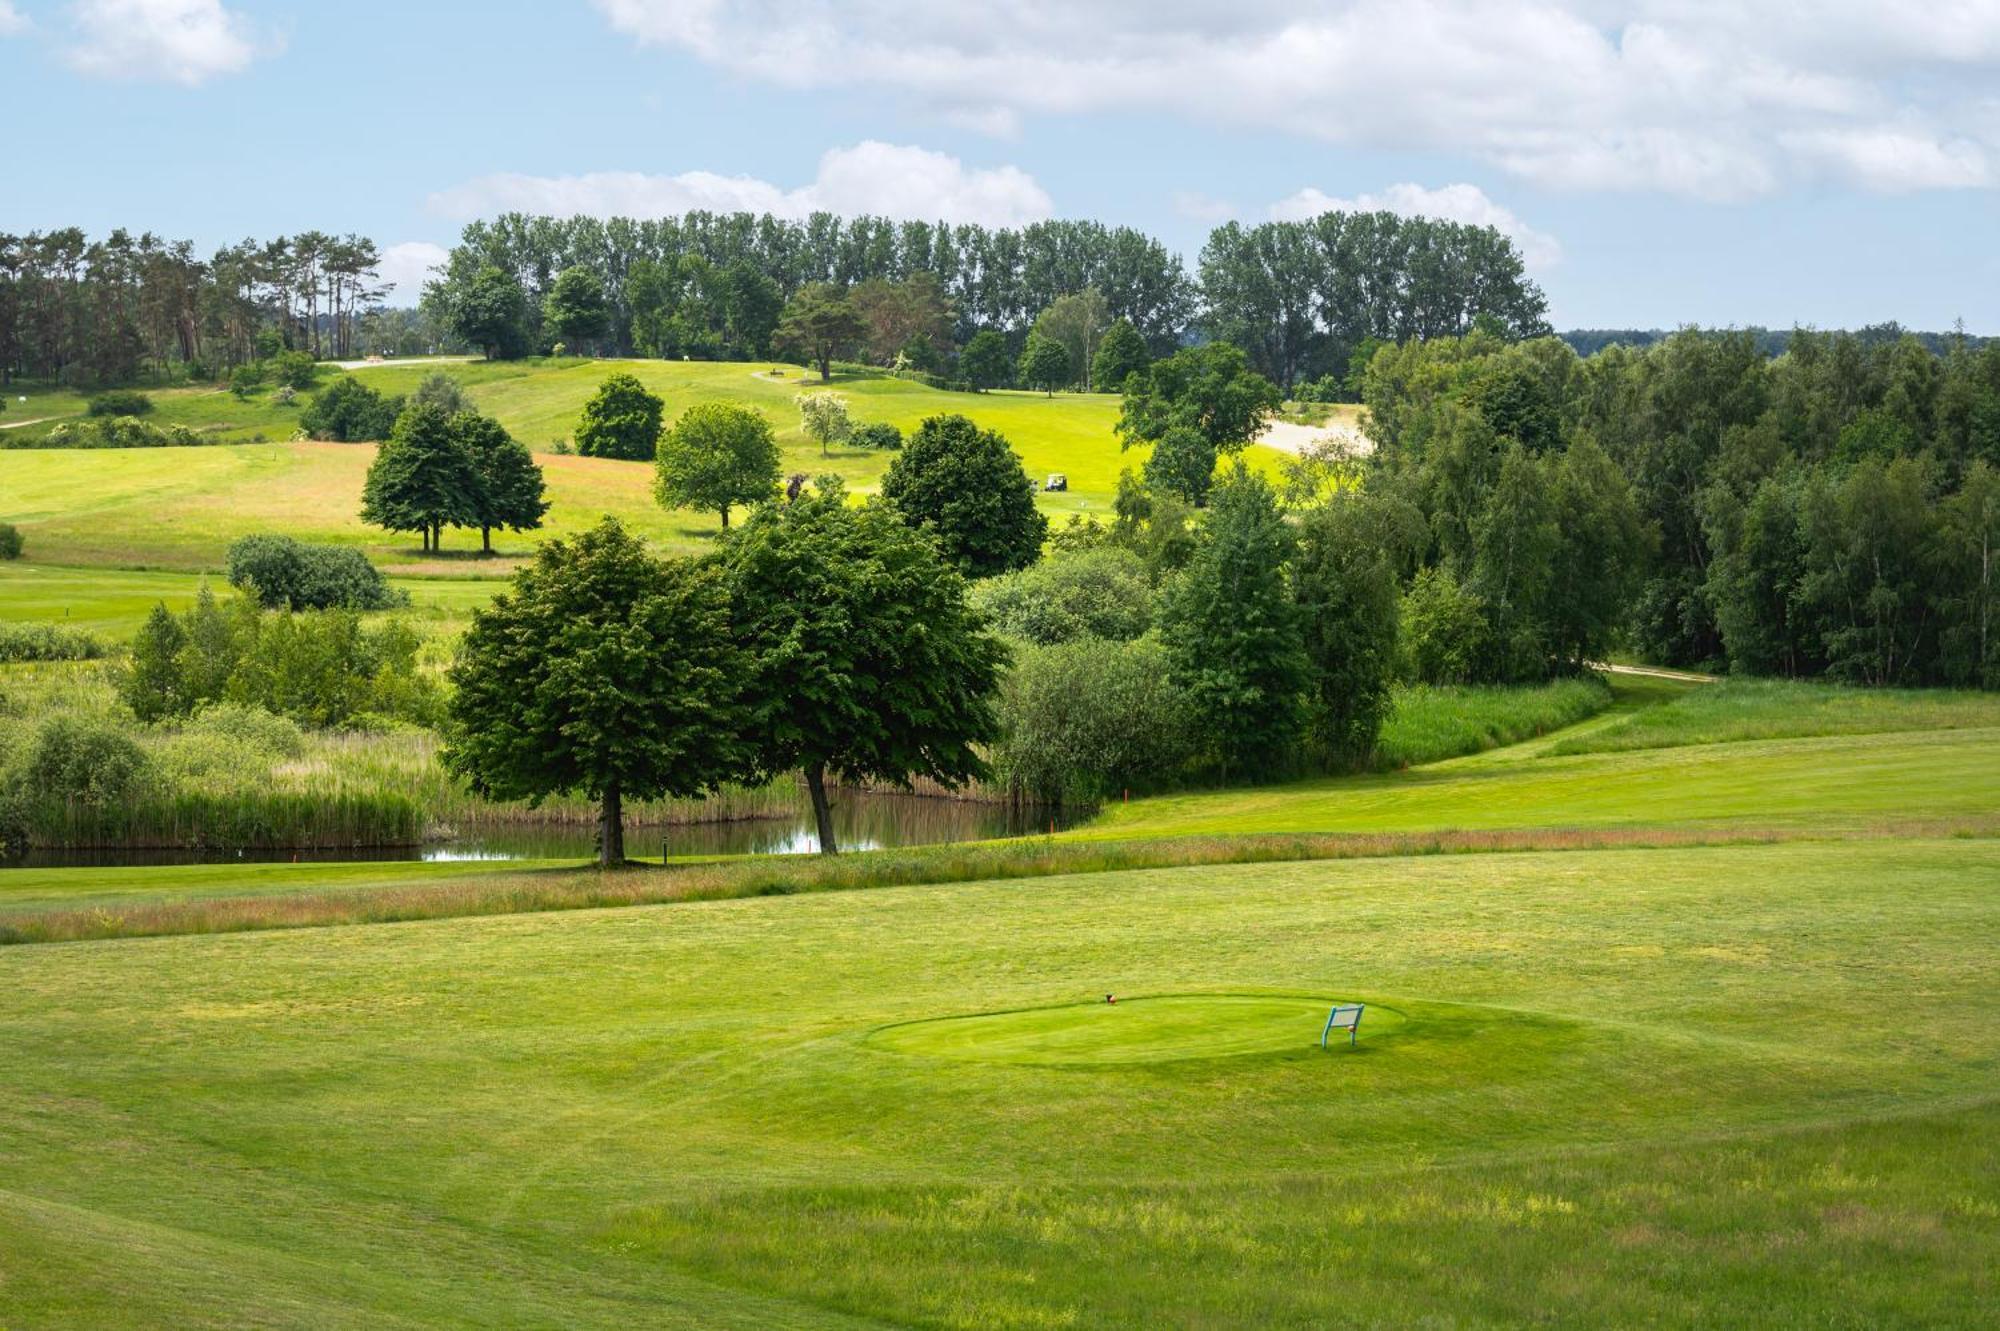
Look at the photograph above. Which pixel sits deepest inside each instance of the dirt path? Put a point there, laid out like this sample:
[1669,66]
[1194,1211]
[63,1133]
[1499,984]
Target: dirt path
[15,425]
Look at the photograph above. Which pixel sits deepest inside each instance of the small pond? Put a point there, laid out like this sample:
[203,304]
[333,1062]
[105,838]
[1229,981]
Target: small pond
[862,821]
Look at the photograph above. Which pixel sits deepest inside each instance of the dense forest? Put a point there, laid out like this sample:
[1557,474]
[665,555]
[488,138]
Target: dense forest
[1834,510]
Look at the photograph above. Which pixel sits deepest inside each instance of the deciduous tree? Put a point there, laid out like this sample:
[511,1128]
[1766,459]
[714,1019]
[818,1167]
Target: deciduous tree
[604,672]
[964,486]
[621,421]
[717,456]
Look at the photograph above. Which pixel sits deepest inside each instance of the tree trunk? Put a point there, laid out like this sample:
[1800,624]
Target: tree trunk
[485,540]
[822,811]
[825,370]
[611,829]
[725,517]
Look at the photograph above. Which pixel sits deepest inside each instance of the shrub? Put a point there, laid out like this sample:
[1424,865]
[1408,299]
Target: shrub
[120,432]
[440,390]
[877,434]
[47,642]
[348,410]
[252,726]
[120,402]
[83,762]
[1083,720]
[246,379]
[292,369]
[11,544]
[286,574]
[1096,593]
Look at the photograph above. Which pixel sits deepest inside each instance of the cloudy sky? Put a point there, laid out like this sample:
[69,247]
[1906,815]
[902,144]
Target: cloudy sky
[1658,161]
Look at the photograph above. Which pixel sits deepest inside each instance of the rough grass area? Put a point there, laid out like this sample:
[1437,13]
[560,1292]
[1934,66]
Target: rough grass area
[1429,723]
[1617,1100]
[1753,709]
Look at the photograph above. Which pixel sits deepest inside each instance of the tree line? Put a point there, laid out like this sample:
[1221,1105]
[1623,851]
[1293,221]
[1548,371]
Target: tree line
[1831,511]
[120,308]
[1301,299]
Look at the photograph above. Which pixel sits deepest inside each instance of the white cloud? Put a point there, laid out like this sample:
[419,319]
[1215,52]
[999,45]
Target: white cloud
[170,41]
[12,20]
[1199,207]
[870,177]
[1452,203]
[1716,98]
[406,267]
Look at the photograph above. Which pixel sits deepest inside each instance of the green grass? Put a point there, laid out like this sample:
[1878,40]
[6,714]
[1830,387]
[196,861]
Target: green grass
[1757,709]
[1427,724]
[95,520]
[1684,1087]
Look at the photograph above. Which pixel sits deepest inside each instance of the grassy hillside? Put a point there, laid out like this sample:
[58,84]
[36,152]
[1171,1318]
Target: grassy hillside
[176,510]
[1607,1094]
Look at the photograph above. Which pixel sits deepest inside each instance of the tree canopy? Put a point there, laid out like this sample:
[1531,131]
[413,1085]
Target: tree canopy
[964,486]
[422,479]
[622,420]
[1044,364]
[863,657]
[603,672]
[718,455]
[822,325]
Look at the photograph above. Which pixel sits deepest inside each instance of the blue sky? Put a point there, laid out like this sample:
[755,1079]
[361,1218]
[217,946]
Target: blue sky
[1660,161]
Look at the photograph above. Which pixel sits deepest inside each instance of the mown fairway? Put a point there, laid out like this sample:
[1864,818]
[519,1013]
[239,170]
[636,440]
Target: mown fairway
[1691,1087]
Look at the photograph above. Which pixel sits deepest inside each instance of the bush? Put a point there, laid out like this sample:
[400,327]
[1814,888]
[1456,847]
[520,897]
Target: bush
[251,726]
[292,369]
[11,544]
[246,379]
[877,434]
[1096,593]
[348,410]
[47,642]
[83,762]
[286,574]
[120,402]
[118,432]
[1083,720]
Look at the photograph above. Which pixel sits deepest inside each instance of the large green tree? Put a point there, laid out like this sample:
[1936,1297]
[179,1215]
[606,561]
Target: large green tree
[622,420]
[985,362]
[1232,630]
[1045,364]
[511,493]
[965,487]
[822,325]
[1121,353]
[863,657]
[1200,403]
[575,311]
[1345,581]
[717,456]
[1077,322]
[422,479]
[490,312]
[604,672]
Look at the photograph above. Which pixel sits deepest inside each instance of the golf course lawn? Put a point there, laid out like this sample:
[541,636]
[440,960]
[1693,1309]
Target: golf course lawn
[1825,782]
[1753,1085]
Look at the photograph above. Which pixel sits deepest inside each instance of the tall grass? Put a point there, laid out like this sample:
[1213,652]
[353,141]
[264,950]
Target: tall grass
[47,642]
[1429,723]
[1752,709]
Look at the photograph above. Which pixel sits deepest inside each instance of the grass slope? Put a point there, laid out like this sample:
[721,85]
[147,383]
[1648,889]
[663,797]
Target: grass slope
[1753,709]
[102,516]
[1618,1099]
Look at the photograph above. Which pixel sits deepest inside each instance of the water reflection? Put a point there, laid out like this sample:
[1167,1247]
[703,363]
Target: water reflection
[861,821]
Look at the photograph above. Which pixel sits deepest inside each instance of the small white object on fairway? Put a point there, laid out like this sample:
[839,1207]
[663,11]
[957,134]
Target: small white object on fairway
[1158,1029]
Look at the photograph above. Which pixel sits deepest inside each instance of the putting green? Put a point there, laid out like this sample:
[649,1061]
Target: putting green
[1154,1029]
